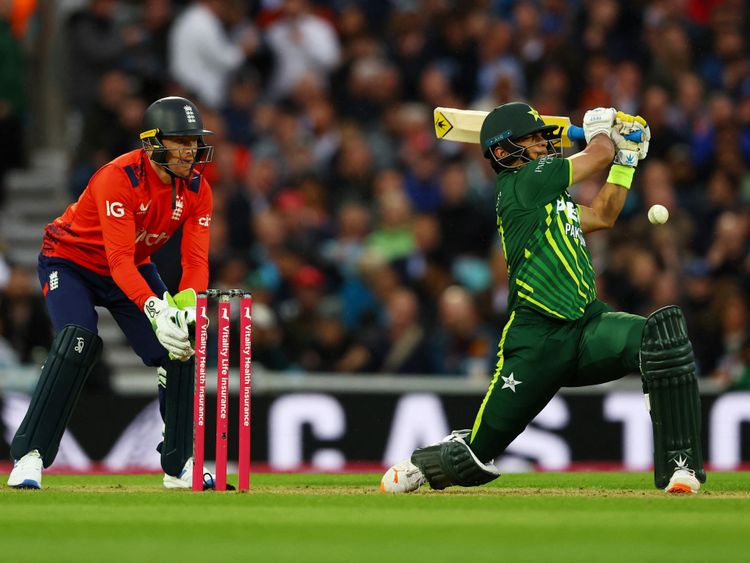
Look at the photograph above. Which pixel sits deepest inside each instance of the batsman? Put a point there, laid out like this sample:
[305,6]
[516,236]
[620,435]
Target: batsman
[98,253]
[558,333]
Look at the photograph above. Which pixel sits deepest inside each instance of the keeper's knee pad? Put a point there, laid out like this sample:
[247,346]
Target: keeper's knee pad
[668,369]
[74,352]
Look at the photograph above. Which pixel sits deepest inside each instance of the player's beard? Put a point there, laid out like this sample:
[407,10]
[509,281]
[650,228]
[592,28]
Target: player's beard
[181,169]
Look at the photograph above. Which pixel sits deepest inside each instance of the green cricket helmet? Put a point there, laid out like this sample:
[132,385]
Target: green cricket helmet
[509,122]
[174,117]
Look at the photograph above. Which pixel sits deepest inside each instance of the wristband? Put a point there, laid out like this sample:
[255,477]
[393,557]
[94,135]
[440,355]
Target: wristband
[621,175]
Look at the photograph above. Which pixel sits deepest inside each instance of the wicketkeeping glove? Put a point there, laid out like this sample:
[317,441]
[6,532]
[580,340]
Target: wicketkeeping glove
[170,325]
[630,152]
[598,121]
[186,300]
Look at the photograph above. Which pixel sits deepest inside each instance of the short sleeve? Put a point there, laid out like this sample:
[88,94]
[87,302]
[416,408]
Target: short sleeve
[543,180]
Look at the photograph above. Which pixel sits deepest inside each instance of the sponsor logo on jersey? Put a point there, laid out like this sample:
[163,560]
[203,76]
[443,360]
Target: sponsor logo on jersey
[570,209]
[115,209]
[541,162]
[204,221]
[150,239]
[143,207]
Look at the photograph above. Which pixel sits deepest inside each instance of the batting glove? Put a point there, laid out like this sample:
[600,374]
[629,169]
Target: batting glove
[630,152]
[170,325]
[598,121]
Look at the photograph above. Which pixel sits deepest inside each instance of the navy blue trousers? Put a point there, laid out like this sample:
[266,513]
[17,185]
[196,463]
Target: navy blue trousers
[72,292]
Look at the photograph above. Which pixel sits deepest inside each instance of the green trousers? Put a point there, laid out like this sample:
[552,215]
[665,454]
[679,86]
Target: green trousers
[539,355]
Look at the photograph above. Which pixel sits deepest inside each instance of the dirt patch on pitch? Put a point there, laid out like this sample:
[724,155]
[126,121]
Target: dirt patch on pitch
[366,491]
[499,492]
[579,492]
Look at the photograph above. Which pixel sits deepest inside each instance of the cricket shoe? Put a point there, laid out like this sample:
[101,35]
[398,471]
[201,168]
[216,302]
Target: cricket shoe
[404,477]
[185,480]
[27,472]
[683,481]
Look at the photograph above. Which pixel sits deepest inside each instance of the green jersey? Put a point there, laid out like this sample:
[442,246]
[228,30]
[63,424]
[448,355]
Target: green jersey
[549,265]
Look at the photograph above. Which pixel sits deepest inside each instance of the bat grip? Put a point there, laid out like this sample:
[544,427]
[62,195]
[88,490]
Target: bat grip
[575,133]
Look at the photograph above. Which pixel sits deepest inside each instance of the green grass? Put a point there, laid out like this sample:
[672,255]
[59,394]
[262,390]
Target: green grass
[329,518]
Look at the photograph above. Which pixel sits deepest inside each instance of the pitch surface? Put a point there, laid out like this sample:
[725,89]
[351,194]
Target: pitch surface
[332,518]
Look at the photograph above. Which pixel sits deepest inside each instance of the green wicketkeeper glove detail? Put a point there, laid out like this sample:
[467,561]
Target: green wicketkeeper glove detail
[186,300]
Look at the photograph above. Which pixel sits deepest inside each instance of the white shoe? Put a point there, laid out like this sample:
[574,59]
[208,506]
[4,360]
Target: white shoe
[404,477]
[185,480]
[27,472]
[683,481]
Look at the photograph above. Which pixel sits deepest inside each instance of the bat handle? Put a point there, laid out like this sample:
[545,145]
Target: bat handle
[575,133]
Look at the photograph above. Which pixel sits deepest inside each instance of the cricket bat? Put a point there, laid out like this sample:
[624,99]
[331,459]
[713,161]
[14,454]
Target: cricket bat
[463,125]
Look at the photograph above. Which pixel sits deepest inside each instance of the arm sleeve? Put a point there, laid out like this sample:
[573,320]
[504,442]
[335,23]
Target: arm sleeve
[195,243]
[543,180]
[113,195]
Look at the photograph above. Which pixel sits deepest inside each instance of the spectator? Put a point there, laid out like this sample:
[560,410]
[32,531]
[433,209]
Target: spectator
[329,340]
[23,318]
[699,291]
[147,58]
[301,43]
[107,127]
[269,349]
[461,345]
[734,372]
[399,347]
[395,238]
[96,43]
[299,313]
[202,55]
[733,317]
[12,93]
[465,224]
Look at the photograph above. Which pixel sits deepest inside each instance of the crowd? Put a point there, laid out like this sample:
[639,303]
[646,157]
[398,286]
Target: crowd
[370,246]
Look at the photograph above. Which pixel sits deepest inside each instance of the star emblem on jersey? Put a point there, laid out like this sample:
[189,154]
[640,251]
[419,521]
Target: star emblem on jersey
[510,383]
[535,114]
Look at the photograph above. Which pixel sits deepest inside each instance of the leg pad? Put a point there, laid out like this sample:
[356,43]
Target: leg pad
[74,352]
[452,462]
[178,415]
[668,369]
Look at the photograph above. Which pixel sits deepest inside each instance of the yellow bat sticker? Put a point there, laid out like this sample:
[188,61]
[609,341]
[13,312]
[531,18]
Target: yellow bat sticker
[442,125]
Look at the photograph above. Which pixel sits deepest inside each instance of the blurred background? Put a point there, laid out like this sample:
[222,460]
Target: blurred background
[369,246]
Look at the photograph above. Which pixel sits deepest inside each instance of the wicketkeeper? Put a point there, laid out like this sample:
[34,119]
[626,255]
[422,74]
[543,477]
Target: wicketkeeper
[559,334]
[98,254]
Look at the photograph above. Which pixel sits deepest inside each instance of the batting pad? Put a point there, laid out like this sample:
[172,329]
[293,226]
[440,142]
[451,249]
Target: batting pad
[451,462]
[668,369]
